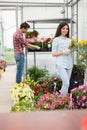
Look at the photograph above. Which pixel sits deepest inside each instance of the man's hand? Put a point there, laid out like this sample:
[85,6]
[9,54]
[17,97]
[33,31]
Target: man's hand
[33,46]
[37,47]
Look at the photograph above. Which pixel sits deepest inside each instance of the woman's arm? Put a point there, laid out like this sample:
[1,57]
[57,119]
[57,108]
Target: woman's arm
[54,54]
[55,47]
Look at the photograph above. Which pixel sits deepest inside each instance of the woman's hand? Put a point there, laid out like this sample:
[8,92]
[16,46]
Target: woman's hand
[66,52]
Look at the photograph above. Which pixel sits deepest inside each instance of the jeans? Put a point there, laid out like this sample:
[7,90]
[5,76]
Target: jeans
[20,67]
[65,75]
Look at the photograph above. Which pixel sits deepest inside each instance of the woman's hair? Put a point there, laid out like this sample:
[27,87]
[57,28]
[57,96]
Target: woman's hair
[58,31]
[24,25]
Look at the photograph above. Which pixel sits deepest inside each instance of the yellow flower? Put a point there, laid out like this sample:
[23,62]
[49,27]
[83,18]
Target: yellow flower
[70,45]
[46,106]
[73,43]
[1,70]
[73,39]
[81,57]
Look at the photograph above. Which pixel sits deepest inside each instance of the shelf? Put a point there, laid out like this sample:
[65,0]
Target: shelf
[51,20]
[39,50]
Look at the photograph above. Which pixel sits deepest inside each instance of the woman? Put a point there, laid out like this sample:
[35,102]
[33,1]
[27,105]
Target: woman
[60,50]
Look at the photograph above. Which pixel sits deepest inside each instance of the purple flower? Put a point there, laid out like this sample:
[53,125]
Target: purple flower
[78,103]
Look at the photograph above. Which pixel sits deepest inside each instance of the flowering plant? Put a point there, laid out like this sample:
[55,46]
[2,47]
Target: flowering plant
[32,37]
[72,45]
[53,101]
[79,95]
[31,34]
[82,52]
[80,48]
[3,64]
[78,71]
[52,83]
[38,90]
[21,92]
[23,105]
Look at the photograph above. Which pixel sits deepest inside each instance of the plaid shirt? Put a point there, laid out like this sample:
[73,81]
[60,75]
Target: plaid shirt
[19,43]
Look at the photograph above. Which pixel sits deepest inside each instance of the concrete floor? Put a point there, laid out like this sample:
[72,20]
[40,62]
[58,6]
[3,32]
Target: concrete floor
[6,83]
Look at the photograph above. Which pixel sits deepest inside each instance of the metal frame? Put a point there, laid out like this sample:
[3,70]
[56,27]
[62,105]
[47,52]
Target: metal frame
[12,5]
[2,39]
[30,4]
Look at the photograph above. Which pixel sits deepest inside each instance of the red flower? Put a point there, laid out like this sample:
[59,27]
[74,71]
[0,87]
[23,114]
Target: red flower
[37,87]
[48,39]
[36,93]
[46,91]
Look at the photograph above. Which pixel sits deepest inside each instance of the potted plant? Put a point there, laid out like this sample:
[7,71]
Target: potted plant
[53,101]
[79,96]
[45,44]
[53,83]
[77,76]
[21,92]
[35,73]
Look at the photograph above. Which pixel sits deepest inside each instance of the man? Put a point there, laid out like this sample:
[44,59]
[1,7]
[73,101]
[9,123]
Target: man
[19,43]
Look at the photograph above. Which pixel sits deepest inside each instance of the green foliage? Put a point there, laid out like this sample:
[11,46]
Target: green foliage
[30,82]
[78,69]
[32,33]
[35,73]
[24,105]
[49,82]
[45,44]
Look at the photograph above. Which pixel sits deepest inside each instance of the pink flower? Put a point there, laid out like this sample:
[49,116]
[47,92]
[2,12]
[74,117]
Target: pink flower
[81,87]
[38,104]
[83,104]
[53,105]
[31,40]
[84,91]
[84,98]
[77,97]
[42,99]
[42,40]
[78,103]
[61,102]
[73,89]
[47,98]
